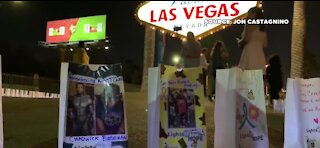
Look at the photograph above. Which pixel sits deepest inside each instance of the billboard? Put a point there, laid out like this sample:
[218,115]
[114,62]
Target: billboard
[76,29]
[201,17]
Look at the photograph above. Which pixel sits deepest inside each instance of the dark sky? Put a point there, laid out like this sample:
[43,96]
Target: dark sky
[23,25]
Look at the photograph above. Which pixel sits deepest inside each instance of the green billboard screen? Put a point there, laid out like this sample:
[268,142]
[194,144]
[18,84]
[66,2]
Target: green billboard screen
[77,29]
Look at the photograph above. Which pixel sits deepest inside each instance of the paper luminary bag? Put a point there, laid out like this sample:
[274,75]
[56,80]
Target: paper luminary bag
[1,115]
[92,106]
[176,108]
[240,113]
[302,118]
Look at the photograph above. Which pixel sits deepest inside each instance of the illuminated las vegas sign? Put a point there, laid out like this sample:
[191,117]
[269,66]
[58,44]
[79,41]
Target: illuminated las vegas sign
[201,17]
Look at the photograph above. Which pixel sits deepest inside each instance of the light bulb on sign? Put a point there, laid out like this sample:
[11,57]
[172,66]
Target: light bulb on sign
[71,49]
[106,47]
[87,48]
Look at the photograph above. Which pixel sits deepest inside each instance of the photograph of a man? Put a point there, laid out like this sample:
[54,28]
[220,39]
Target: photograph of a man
[80,113]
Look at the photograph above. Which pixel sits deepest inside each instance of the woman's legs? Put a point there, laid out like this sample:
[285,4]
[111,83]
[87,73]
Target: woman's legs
[274,95]
[204,78]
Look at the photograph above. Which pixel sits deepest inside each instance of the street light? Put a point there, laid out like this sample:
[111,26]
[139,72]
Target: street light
[176,59]
[14,2]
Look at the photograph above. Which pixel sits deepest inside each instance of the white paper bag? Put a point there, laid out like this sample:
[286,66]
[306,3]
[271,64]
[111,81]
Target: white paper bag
[240,113]
[153,107]
[24,93]
[13,94]
[302,119]
[21,93]
[46,95]
[29,95]
[8,92]
[176,113]
[224,113]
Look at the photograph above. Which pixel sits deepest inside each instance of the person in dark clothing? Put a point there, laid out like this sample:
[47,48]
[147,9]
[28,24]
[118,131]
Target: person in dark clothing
[172,109]
[274,77]
[219,60]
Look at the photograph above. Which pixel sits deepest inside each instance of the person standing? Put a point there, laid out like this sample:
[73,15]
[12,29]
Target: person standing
[204,64]
[218,60]
[274,77]
[253,41]
[191,49]
[36,81]
[80,55]
[182,108]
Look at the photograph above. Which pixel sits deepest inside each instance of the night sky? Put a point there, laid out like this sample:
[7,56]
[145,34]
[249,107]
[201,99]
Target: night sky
[22,25]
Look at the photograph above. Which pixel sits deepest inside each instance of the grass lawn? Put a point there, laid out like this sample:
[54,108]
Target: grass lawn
[29,122]
[34,122]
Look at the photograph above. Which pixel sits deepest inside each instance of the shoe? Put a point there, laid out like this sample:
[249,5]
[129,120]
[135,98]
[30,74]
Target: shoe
[213,98]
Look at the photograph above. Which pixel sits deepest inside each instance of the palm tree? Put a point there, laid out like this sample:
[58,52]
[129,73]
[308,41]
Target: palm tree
[298,39]
[149,50]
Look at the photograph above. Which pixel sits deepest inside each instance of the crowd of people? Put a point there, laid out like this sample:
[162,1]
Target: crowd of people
[253,41]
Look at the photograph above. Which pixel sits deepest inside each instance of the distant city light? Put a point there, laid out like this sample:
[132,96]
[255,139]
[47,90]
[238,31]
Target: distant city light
[87,48]
[17,2]
[71,49]
[106,47]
